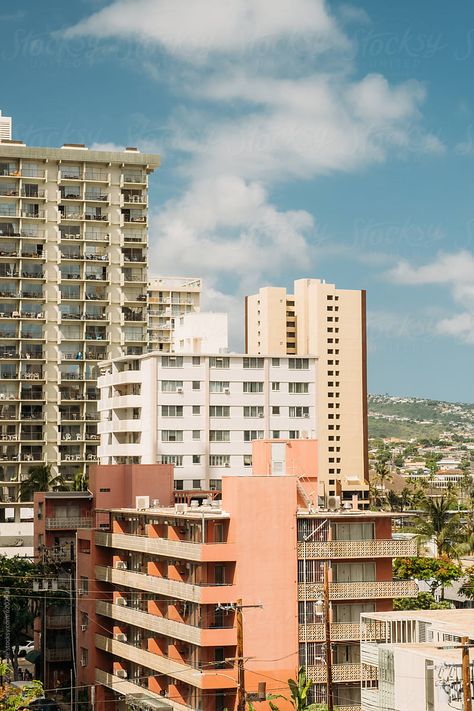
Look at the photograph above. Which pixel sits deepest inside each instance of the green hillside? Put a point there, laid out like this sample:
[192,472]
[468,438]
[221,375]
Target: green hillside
[416,418]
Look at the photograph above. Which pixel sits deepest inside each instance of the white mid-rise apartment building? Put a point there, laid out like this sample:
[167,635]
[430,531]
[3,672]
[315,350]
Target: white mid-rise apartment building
[201,412]
[73,292]
[170,298]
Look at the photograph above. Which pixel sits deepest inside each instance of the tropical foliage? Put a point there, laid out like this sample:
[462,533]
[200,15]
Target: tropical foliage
[40,478]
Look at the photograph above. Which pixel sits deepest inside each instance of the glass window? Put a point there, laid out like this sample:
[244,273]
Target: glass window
[253,362]
[172,410]
[218,386]
[171,386]
[172,435]
[219,362]
[250,435]
[219,411]
[219,435]
[298,388]
[172,361]
[253,411]
[253,387]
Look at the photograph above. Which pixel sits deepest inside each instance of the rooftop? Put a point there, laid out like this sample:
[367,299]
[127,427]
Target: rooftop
[179,510]
[17,149]
[450,621]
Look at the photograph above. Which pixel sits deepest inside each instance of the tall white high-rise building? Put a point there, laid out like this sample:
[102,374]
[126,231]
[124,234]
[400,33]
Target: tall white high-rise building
[73,292]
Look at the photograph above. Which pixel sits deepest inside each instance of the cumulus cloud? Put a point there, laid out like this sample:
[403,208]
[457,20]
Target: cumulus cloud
[293,110]
[455,271]
[204,27]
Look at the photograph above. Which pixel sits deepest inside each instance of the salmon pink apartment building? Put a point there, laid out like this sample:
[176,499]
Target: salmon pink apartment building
[191,606]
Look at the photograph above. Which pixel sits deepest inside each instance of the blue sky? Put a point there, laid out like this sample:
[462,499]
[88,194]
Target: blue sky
[298,138]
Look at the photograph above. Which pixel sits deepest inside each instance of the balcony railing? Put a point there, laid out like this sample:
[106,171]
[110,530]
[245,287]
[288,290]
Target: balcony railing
[340,673]
[375,548]
[369,590]
[68,523]
[164,665]
[58,621]
[125,687]
[59,655]
[186,550]
[173,588]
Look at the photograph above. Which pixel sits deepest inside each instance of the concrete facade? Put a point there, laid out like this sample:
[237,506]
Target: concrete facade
[170,298]
[73,277]
[328,323]
[159,587]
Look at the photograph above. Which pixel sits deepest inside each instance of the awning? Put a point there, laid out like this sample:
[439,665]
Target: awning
[33,656]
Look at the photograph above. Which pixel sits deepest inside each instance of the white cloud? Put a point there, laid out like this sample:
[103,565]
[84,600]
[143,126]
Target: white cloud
[201,27]
[228,226]
[299,128]
[456,272]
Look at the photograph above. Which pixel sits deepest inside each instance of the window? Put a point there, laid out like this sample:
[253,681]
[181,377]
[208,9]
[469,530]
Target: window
[175,459]
[253,387]
[219,460]
[178,485]
[276,362]
[196,434]
[275,387]
[250,435]
[196,459]
[275,409]
[84,657]
[253,411]
[253,362]
[219,411]
[298,388]
[298,363]
[218,386]
[172,410]
[196,483]
[247,460]
[215,484]
[171,386]
[84,586]
[196,360]
[172,361]
[275,434]
[294,434]
[219,435]
[196,409]
[196,385]
[299,411]
[172,435]
[219,362]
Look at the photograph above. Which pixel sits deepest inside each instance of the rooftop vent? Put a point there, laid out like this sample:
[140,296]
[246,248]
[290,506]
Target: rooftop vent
[80,146]
[132,148]
[11,142]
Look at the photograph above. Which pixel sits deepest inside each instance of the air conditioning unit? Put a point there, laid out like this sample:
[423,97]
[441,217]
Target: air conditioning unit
[83,628]
[334,503]
[180,508]
[83,663]
[121,601]
[179,390]
[260,414]
[306,414]
[227,464]
[155,503]
[227,391]
[142,502]
[120,637]
[121,673]
[121,565]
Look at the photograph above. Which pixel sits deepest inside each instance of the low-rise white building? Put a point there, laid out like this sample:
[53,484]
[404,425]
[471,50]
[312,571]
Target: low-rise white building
[412,659]
[201,412]
[201,332]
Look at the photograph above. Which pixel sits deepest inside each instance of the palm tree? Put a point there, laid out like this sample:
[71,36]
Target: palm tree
[80,482]
[40,478]
[383,472]
[439,523]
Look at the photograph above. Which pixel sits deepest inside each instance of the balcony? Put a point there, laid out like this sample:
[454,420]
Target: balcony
[58,621]
[186,550]
[170,628]
[130,688]
[58,524]
[203,594]
[340,673]
[340,631]
[195,677]
[369,590]
[59,655]
[381,548]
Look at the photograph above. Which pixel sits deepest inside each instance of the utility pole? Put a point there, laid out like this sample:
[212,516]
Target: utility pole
[466,675]
[327,624]
[239,659]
